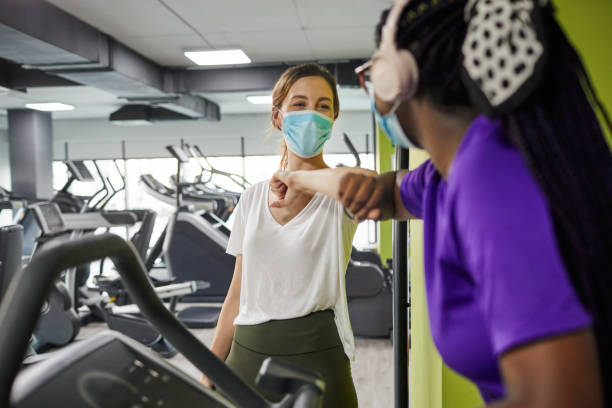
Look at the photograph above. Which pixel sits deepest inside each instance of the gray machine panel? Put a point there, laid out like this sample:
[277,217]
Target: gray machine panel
[49,218]
[91,221]
[52,221]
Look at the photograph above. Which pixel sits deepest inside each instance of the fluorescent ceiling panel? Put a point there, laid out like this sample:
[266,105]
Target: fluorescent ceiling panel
[50,107]
[218,57]
[260,99]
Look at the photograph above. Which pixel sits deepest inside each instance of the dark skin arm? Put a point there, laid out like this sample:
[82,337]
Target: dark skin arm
[374,197]
[559,372]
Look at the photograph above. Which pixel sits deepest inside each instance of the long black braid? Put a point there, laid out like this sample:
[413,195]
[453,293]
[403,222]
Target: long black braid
[558,135]
[560,138]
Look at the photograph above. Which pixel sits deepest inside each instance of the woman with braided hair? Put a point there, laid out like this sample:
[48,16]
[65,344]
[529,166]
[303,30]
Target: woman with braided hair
[515,200]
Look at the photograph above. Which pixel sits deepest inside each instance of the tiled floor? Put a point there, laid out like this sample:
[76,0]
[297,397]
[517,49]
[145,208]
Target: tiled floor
[372,369]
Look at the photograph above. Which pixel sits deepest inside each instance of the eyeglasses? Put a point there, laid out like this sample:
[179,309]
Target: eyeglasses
[361,72]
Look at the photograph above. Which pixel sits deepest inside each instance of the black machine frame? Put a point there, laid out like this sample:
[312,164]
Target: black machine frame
[401,298]
[29,290]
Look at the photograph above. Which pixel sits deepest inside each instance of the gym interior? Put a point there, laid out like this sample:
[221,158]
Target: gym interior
[113,123]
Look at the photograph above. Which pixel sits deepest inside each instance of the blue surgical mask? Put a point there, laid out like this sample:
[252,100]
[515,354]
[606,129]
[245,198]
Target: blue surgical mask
[306,132]
[391,125]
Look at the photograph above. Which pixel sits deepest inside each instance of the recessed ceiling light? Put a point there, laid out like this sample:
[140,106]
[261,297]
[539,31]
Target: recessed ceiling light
[131,122]
[260,99]
[50,107]
[218,57]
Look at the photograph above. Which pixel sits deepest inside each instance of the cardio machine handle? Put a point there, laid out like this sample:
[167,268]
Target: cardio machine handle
[351,147]
[24,299]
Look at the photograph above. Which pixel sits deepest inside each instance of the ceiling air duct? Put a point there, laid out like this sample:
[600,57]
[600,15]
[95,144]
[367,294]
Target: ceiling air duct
[139,114]
[37,35]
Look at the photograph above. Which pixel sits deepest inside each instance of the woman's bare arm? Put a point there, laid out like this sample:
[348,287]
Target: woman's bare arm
[326,181]
[224,333]
[560,372]
[363,192]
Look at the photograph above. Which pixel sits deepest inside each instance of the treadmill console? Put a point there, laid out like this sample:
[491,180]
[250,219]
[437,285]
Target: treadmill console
[79,170]
[49,218]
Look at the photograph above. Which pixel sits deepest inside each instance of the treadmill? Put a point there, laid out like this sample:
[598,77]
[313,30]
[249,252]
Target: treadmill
[52,224]
[193,247]
[68,202]
[167,195]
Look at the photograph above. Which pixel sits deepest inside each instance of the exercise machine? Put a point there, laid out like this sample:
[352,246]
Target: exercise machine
[193,245]
[110,370]
[369,290]
[11,241]
[194,248]
[53,223]
[369,286]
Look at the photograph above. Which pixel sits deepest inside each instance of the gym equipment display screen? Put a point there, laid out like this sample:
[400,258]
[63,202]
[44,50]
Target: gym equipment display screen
[49,217]
[79,170]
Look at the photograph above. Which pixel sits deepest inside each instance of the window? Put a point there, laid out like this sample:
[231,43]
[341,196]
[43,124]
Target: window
[254,168]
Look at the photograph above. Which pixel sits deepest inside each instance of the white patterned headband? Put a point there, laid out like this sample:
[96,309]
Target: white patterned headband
[504,52]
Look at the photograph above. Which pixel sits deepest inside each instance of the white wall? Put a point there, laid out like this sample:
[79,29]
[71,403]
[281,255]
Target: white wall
[5,164]
[98,138]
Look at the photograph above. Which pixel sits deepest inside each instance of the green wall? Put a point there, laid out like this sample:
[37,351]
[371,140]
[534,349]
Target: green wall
[384,162]
[588,24]
[432,383]
[425,363]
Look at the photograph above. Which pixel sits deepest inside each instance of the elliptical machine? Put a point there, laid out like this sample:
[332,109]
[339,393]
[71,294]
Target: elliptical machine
[109,369]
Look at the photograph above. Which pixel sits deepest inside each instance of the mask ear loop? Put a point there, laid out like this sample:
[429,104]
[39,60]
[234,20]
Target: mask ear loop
[277,110]
[396,103]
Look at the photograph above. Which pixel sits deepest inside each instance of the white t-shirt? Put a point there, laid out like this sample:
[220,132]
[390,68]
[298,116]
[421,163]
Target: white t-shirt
[295,269]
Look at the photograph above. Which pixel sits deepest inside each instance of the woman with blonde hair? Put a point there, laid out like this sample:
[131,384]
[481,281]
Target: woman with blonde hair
[287,298]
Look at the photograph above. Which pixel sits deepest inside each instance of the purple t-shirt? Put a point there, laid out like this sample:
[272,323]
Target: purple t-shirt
[494,276]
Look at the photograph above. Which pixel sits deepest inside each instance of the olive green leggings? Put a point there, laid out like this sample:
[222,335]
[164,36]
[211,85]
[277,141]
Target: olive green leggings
[311,342]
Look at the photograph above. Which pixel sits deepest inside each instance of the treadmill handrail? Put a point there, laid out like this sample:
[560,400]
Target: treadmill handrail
[121,175]
[95,220]
[27,292]
[351,147]
[90,205]
[112,186]
[155,184]
[110,196]
[242,182]
[197,203]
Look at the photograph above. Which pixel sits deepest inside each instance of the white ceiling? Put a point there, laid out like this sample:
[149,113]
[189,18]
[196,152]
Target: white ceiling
[267,30]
